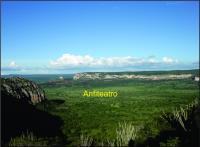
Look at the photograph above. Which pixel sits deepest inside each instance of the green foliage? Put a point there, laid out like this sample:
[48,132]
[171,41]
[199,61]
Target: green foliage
[170,143]
[184,122]
[182,117]
[139,101]
[194,72]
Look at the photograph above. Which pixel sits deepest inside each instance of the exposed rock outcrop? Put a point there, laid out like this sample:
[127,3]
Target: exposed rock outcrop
[23,90]
[19,113]
[99,76]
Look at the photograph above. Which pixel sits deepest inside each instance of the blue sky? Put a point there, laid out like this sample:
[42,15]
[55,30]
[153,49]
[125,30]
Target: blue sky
[69,37]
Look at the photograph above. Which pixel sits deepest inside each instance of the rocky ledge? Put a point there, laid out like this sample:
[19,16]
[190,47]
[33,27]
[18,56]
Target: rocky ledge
[103,76]
[22,89]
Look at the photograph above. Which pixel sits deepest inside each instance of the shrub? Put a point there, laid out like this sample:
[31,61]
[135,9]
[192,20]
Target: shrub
[182,117]
[185,122]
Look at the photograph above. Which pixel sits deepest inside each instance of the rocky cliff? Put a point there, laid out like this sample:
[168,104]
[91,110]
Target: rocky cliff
[103,76]
[19,113]
[22,89]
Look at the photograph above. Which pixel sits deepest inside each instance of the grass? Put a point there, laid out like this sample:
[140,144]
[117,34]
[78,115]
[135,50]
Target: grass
[125,132]
[85,140]
[27,139]
[139,102]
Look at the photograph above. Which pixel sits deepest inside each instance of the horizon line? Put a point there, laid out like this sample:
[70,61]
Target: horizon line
[101,72]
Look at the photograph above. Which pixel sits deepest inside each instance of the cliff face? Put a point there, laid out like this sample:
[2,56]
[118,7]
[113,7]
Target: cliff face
[99,76]
[22,89]
[19,114]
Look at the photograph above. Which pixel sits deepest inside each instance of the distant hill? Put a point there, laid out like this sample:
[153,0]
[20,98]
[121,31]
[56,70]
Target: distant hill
[193,72]
[42,78]
[149,75]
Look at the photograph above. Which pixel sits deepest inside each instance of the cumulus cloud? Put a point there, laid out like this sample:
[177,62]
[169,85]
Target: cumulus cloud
[68,61]
[169,60]
[14,68]
[73,60]
[13,64]
[152,59]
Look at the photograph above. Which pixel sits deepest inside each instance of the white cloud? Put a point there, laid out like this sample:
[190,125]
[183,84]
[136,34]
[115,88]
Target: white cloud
[13,64]
[169,60]
[151,59]
[67,61]
[73,60]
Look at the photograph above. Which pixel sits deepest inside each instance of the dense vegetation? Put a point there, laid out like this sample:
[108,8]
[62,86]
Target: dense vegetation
[134,118]
[194,72]
[140,102]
